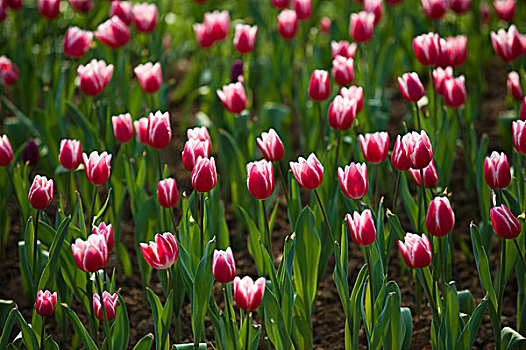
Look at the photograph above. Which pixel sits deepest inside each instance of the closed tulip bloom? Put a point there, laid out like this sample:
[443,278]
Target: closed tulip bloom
[505,224]
[70,155]
[260,179]
[113,33]
[308,172]
[77,42]
[6,151]
[458,45]
[224,266]
[505,9]
[3,10]
[362,228]
[8,71]
[440,218]
[459,6]
[343,48]
[416,251]
[343,70]
[418,149]
[249,294]
[203,36]
[167,194]
[411,87]
[159,129]
[194,149]
[14,4]
[375,147]
[271,146]
[46,303]
[427,48]
[198,133]
[141,129]
[303,8]
[122,127]
[519,135]
[393,2]
[454,90]
[81,6]
[233,97]
[342,112]
[398,157]
[287,24]
[162,253]
[236,72]
[41,192]
[361,26]
[446,55]
[514,86]
[353,93]
[434,9]
[218,24]
[353,180]
[94,77]
[374,7]
[90,255]
[105,231]
[320,85]
[150,76]
[440,75]
[49,8]
[31,154]
[508,45]
[430,176]
[204,174]
[245,38]
[97,167]
[123,10]
[497,171]
[280,4]
[145,17]
[325,25]
[110,306]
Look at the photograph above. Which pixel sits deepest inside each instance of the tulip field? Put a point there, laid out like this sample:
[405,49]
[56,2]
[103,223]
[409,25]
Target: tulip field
[262,174]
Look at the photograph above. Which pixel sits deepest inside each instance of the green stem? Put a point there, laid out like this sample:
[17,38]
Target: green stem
[429,296]
[321,122]
[202,226]
[89,291]
[338,141]
[107,334]
[324,215]
[283,182]
[418,116]
[159,164]
[396,191]
[502,285]
[442,266]
[520,253]
[35,240]
[249,321]
[230,317]
[89,223]
[174,223]
[42,333]
[267,230]
[371,287]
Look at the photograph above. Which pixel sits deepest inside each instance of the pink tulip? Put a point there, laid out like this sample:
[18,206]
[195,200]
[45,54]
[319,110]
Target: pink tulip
[114,33]
[194,149]
[150,76]
[41,192]
[49,8]
[519,135]
[458,46]
[167,194]
[353,93]
[46,303]
[6,151]
[8,71]
[508,45]
[353,180]
[123,10]
[90,255]
[522,112]
[81,6]
[122,127]
[430,176]
[459,6]
[97,167]
[159,129]
[217,24]
[497,171]
[14,4]
[303,8]
[3,10]
[287,24]
[325,25]
[224,266]
[505,224]
[374,7]
[271,146]
[76,42]
[343,70]
[204,175]
[204,37]
[411,87]
[440,218]
[198,133]
[361,26]
[141,129]
[342,112]
[320,85]
[280,4]
[308,172]
[398,157]
[418,149]
[249,294]
[484,13]
[105,231]
[343,48]
[245,38]
[440,75]
[514,86]
[427,48]
[416,251]
[110,306]
[94,77]
[454,91]
[362,228]
[505,9]
[162,253]
[375,147]
[260,179]
[434,9]
[70,155]
[145,17]
[233,97]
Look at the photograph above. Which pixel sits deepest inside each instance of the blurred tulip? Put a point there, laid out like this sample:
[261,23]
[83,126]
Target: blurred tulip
[458,47]
[110,306]
[14,4]
[484,13]
[245,38]
[459,6]
[249,294]
[320,85]
[31,154]
[76,42]
[325,25]
[97,167]
[505,224]
[204,174]
[343,70]
[505,9]
[167,194]
[141,129]
[434,9]
[343,48]
[362,228]
[236,72]
[162,253]
[287,24]
[260,179]
[3,10]
[123,10]
[508,45]
[6,151]
[361,26]
[353,180]
[41,192]
[430,176]
[8,71]
[114,33]
[105,231]
[418,149]
[159,129]
[90,255]
[145,17]
[497,171]
[271,146]
[198,133]
[374,7]
[204,37]
[342,112]
[440,75]
[94,77]
[224,266]
[150,76]
[427,48]
[519,135]
[233,97]
[308,172]
[514,86]
[353,93]
[46,303]
[49,8]
[393,2]
[375,147]
[398,157]
[194,149]
[70,155]
[440,218]
[411,87]
[81,6]
[416,251]
[454,92]
[122,127]
[280,4]
[303,8]
[217,24]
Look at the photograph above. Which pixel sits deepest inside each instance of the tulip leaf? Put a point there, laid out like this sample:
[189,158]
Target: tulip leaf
[469,332]
[253,241]
[102,209]
[511,339]
[201,293]
[145,343]
[274,322]
[50,344]
[121,327]
[79,328]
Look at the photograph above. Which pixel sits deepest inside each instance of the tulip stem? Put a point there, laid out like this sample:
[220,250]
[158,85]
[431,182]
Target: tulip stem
[429,296]
[322,128]
[324,215]
[89,291]
[267,230]
[159,164]
[338,141]
[396,191]
[424,199]
[95,190]
[371,287]
[229,314]
[418,116]
[442,258]
[107,334]
[502,285]
[520,253]
[249,321]
[283,183]
[42,333]
[35,240]
[202,213]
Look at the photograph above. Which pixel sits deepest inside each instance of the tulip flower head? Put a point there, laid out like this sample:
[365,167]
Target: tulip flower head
[14,4]
[303,8]
[113,33]
[162,253]
[203,36]
[375,147]
[411,87]
[440,75]
[46,303]
[8,71]
[418,149]
[31,154]
[454,91]
[150,76]
[41,192]
[505,224]
[159,129]
[287,24]
[92,254]
[49,8]
[141,129]
[122,127]
[6,151]
[440,218]
[320,85]
[260,179]
[459,6]
[519,135]
[514,86]
[167,194]
[427,48]
[342,112]
[505,9]
[361,26]
[497,171]
[362,227]
[198,133]
[249,294]
[271,146]
[145,17]
[353,180]
[343,70]
[3,10]
[353,93]
[434,9]
[245,38]
[233,97]
[374,7]
[508,45]
[458,47]
[81,6]
[308,172]
[123,10]
[70,155]
[77,41]
[416,250]
[398,157]
[97,167]
[325,25]
[343,48]
[204,174]
[217,24]
[194,149]
[110,306]
[105,231]
[224,266]
[430,176]
[280,4]
[94,77]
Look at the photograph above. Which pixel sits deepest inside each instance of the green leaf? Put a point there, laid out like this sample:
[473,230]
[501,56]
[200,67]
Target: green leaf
[469,332]
[145,343]
[121,327]
[511,339]
[103,208]
[50,344]
[79,328]
[274,323]
[201,293]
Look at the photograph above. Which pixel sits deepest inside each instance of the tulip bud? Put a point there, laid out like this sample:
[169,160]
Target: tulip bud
[122,127]
[353,180]
[418,149]
[343,70]
[454,90]
[245,38]
[123,10]
[411,87]
[110,306]
[271,146]
[375,147]
[440,218]
[6,151]
[198,133]
[233,97]
[260,179]
[81,6]
[362,228]
[141,129]
[343,48]
[167,194]
[325,25]
[224,266]
[46,303]
[77,41]
[505,9]
[308,172]
[114,33]
[150,76]
[354,93]
[249,294]
[497,171]
[430,176]
[287,24]
[459,6]
[204,174]
[508,45]
[97,167]
[159,129]
[427,48]
[519,135]
[280,4]
[374,7]
[458,46]
[194,149]
[162,253]
[49,8]
[361,26]
[416,251]
[90,255]
[31,154]
[320,85]
[145,17]
[203,36]
[514,86]
[94,77]
[434,9]
[105,231]
[70,155]
[236,72]
[14,4]
[398,157]
[440,75]
[8,71]
[41,192]
[218,24]
[303,8]
[3,10]
[505,224]
[342,112]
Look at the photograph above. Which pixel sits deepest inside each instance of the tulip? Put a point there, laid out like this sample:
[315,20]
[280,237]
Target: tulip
[361,26]
[122,127]
[508,45]
[194,149]
[8,71]
[218,24]
[145,17]
[110,306]
[6,151]
[159,129]
[162,253]
[411,87]
[522,112]
[354,93]
[416,251]
[393,2]
[440,218]
[458,50]
[505,9]
[123,10]
[440,75]
[90,255]
[454,91]
[150,76]
[497,171]
[204,37]
[224,266]
[362,228]
[505,224]
[519,135]
[105,231]
[77,41]
[204,174]
[343,48]
[260,179]
[31,154]
[81,6]
[3,10]
[353,180]
[430,176]
[49,8]
[236,72]
[14,4]
[233,97]
[198,133]
[41,192]
[167,194]
[325,25]
[245,38]
[114,33]
[280,4]
[398,156]
[342,112]
[343,70]
[434,9]
[308,172]
[94,77]
[484,13]
[70,155]
[320,85]
[514,86]
[287,24]
[97,167]
[249,294]
[46,303]
[141,129]
[375,147]
[271,146]
[418,149]
[303,8]
[459,6]
[374,7]
[427,48]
